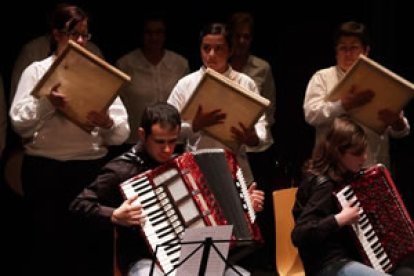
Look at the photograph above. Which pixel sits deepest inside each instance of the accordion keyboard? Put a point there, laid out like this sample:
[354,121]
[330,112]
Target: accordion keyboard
[365,232]
[156,228]
[169,209]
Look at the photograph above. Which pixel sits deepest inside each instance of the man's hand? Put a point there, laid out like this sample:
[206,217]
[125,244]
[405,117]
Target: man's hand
[129,213]
[347,216]
[256,197]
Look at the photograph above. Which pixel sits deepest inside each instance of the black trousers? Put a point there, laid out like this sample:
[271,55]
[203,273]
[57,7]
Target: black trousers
[62,243]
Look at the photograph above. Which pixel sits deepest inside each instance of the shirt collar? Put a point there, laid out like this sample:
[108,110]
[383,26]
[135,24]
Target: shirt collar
[228,73]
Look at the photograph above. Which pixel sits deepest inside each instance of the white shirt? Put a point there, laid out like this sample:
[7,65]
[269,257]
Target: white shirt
[149,83]
[181,94]
[319,113]
[48,133]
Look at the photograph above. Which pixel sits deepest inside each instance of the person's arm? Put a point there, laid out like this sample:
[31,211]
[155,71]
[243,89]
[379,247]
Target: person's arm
[397,123]
[27,112]
[129,213]
[116,131]
[258,138]
[316,220]
[178,98]
[317,109]
[402,130]
[269,92]
[35,50]
[99,199]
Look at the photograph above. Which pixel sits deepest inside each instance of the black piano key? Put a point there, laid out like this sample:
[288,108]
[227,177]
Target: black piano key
[140,183]
[171,242]
[158,220]
[355,203]
[375,245]
[162,235]
[348,194]
[377,250]
[386,264]
[149,201]
[150,214]
[173,251]
[162,229]
[175,260]
[349,197]
[157,217]
[143,191]
[380,253]
[369,232]
[172,245]
[371,237]
[347,190]
[364,225]
[363,218]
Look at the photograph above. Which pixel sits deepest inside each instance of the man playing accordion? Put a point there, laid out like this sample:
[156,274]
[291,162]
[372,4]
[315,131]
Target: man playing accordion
[103,201]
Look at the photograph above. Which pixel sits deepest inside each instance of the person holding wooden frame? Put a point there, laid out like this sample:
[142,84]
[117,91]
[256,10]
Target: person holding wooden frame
[351,40]
[60,159]
[215,50]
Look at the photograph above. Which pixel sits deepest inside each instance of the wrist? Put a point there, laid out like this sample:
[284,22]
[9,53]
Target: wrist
[114,219]
[338,219]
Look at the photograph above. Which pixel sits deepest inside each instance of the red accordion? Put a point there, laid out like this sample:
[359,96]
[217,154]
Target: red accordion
[198,189]
[385,231]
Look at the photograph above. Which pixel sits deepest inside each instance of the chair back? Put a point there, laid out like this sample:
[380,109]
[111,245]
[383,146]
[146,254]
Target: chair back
[288,262]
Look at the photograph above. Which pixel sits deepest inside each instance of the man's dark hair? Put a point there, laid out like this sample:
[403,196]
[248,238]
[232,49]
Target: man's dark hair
[352,28]
[160,113]
[217,28]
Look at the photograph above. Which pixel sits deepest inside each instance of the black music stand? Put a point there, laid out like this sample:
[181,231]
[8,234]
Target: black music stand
[206,244]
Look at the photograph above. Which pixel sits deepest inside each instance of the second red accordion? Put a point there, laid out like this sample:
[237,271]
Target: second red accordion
[385,231]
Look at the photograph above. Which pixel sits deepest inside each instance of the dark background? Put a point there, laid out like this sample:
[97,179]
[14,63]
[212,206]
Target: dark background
[294,36]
